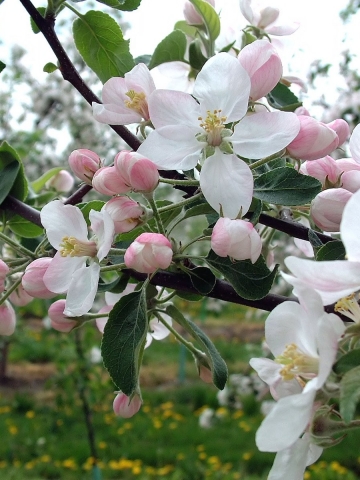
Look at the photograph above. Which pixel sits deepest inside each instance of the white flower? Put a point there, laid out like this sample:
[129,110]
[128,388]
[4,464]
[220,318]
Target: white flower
[68,271]
[185,127]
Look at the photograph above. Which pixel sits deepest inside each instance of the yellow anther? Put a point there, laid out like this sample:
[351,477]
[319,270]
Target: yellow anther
[138,103]
[72,247]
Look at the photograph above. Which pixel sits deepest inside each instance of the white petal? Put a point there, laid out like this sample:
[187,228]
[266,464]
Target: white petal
[268,370]
[321,277]
[82,290]
[170,107]
[286,422]
[103,227]
[224,84]
[350,228]
[61,220]
[281,30]
[114,114]
[227,181]
[262,134]
[173,148]
[140,79]
[59,273]
[158,330]
[354,144]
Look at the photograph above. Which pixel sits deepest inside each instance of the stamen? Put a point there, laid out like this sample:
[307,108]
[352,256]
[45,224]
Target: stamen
[349,307]
[72,247]
[296,363]
[213,125]
[138,103]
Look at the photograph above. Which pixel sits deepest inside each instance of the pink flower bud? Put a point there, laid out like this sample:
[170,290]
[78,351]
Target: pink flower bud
[263,64]
[20,297]
[351,180]
[125,406]
[237,239]
[315,140]
[84,163]
[321,169]
[327,208]
[205,374]
[4,270]
[148,252]
[59,321]
[61,182]
[107,181]
[341,128]
[125,213]
[32,280]
[7,319]
[136,171]
[191,15]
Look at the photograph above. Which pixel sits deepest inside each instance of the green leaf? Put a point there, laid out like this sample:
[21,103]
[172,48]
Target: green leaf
[218,366]
[92,205]
[34,27]
[210,17]
[250,281]
[196,58]
[50,67]
[347,362]
[200,209]
[171,49]
[349,394]
[285,186]
[100,42]
[123,341]
[189,30]
[17,187]
[23,227]
[334,250]
[282,98]
[190,297]
[125,5]
[2,66]
[202,279]
[314,239]
[39,184]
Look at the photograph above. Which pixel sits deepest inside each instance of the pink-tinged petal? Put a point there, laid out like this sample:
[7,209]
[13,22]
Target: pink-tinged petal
[114,91]
[277,129]
[170,107]
[173,147]
[104,229]
[246,10]
[59,273]
[281,30]
[285,422]
[283,388]
[82,290]
[61,220]
[114,114]
[354,144]
[321,277]
[268,15]
[350,228]
[227,181]
[224,84]
[140,80]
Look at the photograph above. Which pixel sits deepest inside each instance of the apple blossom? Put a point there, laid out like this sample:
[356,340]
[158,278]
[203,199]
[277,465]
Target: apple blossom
[20,297]
[237,239]
[4,270]
[125,213]
[63,181]
[125,100]
[7,319]
[84,163]
[33,278]
[321,275]
[148,252]
[342,129]
[324,169]
[136,171]
[303,339]
[327,208]
[263,65]
[125,406]
[107,181]
[67,232]
[59,321]
[191,15]
[191,129]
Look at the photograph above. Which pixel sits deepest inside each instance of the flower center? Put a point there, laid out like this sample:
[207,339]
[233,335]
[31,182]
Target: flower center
[138,103]
[296,363]
[72,247]
[349,307]
[213,125]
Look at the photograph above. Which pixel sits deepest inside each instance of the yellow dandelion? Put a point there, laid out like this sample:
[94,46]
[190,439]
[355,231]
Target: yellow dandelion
[13,429]
[102,445]
[30,414]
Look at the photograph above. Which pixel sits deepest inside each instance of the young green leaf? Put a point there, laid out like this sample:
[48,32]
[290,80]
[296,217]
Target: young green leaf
[331,251]
[282,98]
[18,186]
[349,394]
[125,5]
[171,49]
[210,17]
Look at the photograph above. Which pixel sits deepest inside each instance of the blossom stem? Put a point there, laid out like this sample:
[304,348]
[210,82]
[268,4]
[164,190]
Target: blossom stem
[111,268]
[178,337]
[117,251]
[150,198]
[180,204]
[18,248]
[262,161]
[179,182]
[10,290]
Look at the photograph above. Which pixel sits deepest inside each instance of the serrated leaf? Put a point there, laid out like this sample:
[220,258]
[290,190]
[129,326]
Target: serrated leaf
[22,227]
[17,187]
[334,250]
[2,66]
[123,341]
[285,186]
[202,279]
[171,49]
[125,5]
[218,366]
[210,17]
[100,42]
[50,67]
[38,184]
[250,281]
[347,362]
[349,394]
[282,98]
[34,27]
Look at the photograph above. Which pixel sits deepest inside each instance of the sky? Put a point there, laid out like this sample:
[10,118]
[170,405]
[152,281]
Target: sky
[321,34]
